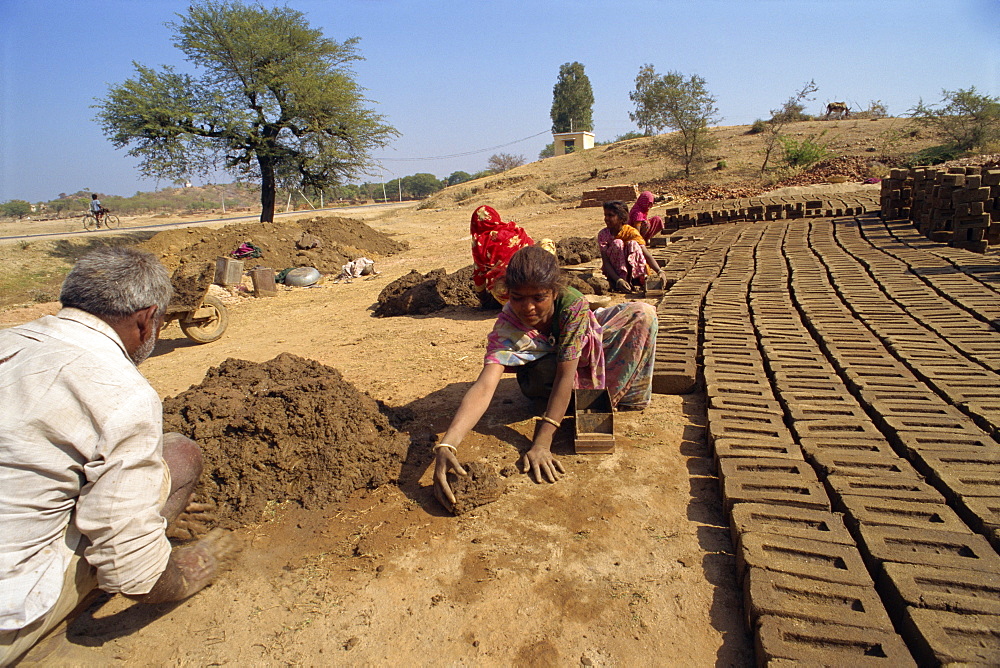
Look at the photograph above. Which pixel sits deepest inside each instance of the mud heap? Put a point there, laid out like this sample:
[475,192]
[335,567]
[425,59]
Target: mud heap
[420,294]
[289,429]
[340,240]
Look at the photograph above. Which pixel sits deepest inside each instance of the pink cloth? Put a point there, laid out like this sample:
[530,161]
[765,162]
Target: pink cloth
[638,217]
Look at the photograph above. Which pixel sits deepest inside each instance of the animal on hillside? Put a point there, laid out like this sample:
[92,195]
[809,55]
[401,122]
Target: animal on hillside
[839,108]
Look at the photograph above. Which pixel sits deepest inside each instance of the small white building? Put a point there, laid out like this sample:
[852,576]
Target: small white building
[567,142]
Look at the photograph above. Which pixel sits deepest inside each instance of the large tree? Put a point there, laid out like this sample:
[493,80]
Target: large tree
[966,118]
[276,101]
[678,103]
[572,100]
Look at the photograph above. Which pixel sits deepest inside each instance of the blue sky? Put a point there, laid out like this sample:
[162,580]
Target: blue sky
[459,76]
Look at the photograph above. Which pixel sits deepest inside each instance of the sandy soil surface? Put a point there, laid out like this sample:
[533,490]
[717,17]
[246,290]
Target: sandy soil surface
[625,561]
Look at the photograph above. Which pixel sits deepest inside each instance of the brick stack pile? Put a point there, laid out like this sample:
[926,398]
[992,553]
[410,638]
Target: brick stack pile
[626,193]
[959,206]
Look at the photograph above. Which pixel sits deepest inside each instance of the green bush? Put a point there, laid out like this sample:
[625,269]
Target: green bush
[933,155]
[722,164]
[804,152]
[548,188]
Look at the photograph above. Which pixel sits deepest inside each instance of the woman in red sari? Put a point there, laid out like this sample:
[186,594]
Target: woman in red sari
[493,243]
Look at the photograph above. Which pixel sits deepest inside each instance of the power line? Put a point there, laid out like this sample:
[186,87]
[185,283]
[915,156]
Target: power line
[462,155]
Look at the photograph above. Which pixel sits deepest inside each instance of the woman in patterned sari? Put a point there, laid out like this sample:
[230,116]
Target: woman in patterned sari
[548,335]
[493,243]
[625,260]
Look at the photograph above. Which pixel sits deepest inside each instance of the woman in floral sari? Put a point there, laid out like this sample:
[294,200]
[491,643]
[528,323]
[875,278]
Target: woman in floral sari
[493,243]
[625,260]
[548,335]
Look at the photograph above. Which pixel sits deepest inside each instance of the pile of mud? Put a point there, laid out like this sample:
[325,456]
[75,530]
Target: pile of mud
[532,197]
[340,240]
[289,429]
[420,294]
[577,250]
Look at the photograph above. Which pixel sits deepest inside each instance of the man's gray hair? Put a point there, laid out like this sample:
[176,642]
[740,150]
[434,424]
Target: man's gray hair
[116,281]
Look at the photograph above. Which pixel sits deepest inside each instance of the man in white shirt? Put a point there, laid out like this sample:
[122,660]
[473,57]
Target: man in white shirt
[88,480]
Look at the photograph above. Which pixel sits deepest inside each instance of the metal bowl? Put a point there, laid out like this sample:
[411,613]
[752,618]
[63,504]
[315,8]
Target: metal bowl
[302,276]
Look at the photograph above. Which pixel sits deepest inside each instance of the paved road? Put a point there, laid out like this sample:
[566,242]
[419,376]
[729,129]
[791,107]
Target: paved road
[340,211]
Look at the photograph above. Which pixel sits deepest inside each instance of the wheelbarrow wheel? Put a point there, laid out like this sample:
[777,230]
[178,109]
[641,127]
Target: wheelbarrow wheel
[208,326]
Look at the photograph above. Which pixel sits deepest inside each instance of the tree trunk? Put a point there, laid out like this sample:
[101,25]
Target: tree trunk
[267,191]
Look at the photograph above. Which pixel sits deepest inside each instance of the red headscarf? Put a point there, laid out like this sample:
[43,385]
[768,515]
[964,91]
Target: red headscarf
[493,243]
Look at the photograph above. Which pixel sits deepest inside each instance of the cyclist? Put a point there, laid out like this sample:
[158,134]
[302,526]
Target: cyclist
[96,208]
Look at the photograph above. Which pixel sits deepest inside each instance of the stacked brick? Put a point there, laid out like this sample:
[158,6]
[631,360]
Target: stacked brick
[958,205]
[853,397]
[626,193]
[770,208]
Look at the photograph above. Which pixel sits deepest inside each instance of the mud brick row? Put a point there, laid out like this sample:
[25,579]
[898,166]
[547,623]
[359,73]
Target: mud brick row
[675,369]
[798,562]
[770,208]
[625,193]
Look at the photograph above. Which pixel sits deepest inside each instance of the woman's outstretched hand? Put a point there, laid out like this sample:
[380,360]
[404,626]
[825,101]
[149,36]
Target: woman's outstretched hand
[444,460]
[623,286]
[541,464]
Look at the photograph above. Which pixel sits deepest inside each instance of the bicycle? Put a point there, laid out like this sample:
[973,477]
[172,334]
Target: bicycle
[90,221]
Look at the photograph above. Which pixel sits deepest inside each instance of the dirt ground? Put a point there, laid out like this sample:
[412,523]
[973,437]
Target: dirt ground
[625,561]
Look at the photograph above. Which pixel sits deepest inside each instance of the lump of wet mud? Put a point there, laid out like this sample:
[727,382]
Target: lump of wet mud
[482,485]
[420,294]
[577,250]
[286,430]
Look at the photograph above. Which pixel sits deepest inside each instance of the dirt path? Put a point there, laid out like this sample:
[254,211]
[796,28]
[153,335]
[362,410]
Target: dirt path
[626,561]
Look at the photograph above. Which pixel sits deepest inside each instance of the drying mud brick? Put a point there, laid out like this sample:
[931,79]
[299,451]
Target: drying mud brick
[911,545]
[749,447]
[749,486]
[676,376]
[830,562]
[848,445]
[877,464]
[944,638]
[482,485]
[983,515]
[877,511]
[785,595]
[784,520]
[939,588]
[817,644]
[899,487]
[285,430]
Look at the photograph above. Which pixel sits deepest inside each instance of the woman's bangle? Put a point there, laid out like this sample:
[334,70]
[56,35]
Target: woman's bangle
[444,445]
[554,423]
